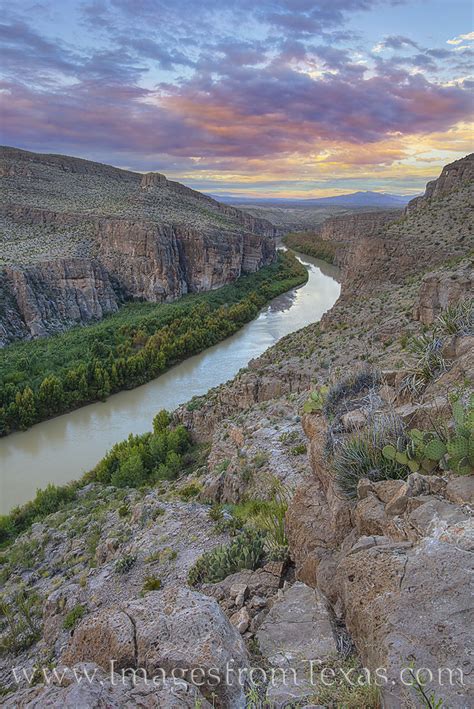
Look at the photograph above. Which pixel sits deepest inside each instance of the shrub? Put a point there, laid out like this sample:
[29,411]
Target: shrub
[123,565]
[49,500]
[123,510]
[216,513]
[299,449]
[189,491]
[73,617]
[348,387]
[360,456]
[244,552]
[130,473]
[151,583]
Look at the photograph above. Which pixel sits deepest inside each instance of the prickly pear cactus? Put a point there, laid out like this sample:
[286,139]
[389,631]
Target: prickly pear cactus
[427,451]
[316,400]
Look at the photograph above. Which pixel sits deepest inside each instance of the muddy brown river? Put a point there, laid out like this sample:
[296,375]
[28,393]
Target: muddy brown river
[65,447]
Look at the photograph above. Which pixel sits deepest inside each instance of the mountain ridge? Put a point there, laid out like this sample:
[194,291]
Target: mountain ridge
[360,198]
[79,238]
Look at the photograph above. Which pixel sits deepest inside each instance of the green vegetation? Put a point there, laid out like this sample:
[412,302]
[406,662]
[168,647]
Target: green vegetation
[312,244]
[161,454]
[151,583]
[441,449]
[360,456]
[125,563]
[244,552]
[429,364]
[457,319]
[20,621]
[258,531]
[50,376]
[351,688]
[316,400]
[73,617]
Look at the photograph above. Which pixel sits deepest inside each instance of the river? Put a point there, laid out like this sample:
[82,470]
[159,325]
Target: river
[65,447]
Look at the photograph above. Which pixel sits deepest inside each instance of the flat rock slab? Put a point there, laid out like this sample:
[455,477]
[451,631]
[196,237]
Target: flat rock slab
[296,631]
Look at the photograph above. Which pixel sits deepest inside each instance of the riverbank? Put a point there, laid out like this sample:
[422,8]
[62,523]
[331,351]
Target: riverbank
[311,244]
[51,376]
[64,448]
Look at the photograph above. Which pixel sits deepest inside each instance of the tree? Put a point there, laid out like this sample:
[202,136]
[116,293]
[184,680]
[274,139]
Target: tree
[26,407]
[51,396]
[131,472]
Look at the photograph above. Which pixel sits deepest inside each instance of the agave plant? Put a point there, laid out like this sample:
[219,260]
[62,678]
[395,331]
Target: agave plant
[429,365]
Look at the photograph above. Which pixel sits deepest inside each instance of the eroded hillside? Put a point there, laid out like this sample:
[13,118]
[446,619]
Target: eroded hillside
[78,238]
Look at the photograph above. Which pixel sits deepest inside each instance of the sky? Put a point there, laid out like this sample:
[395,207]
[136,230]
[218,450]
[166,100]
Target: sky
[254,98]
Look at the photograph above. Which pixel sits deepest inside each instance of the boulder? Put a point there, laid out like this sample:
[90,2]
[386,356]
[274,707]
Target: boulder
[413,604]
[460,489]
[172,630]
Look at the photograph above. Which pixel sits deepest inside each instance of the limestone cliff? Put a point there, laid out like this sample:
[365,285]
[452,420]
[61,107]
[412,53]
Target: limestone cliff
[79,238]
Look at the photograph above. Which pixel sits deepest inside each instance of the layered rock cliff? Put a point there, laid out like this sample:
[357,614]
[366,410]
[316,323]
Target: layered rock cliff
[79,238]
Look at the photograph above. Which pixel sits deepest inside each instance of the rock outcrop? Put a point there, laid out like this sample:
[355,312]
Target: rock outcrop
[80,238]
[439,291]
[88,685]
[346,230]
[393,565]
[177,632]
[452,177]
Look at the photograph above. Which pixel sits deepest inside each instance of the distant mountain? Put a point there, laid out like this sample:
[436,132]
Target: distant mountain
[355,199]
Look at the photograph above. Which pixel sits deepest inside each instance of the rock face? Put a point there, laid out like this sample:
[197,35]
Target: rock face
[105,690]
[80,238]
[393,565]
[452,176]
[296,632]
[345,230]
[41,299]
[176,630]
[440,290]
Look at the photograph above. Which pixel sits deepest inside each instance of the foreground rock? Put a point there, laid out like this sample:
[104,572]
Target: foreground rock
[176,630]
[295,638]
[106,690]
[400,575]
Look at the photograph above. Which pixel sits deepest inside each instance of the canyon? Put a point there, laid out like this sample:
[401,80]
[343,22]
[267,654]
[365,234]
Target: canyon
[377,578]
[80,238]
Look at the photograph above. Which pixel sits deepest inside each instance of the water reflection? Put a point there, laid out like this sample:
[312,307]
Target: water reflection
[63,448]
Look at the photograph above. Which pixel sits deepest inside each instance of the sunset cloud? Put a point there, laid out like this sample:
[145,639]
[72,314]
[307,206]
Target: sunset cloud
[275,93]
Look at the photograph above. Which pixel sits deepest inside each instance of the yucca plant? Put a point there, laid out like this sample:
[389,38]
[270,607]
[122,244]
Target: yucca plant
[457,319]
[360,456]
[429,365]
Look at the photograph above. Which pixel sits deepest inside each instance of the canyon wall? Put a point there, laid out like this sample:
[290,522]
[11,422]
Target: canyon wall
[80,238]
